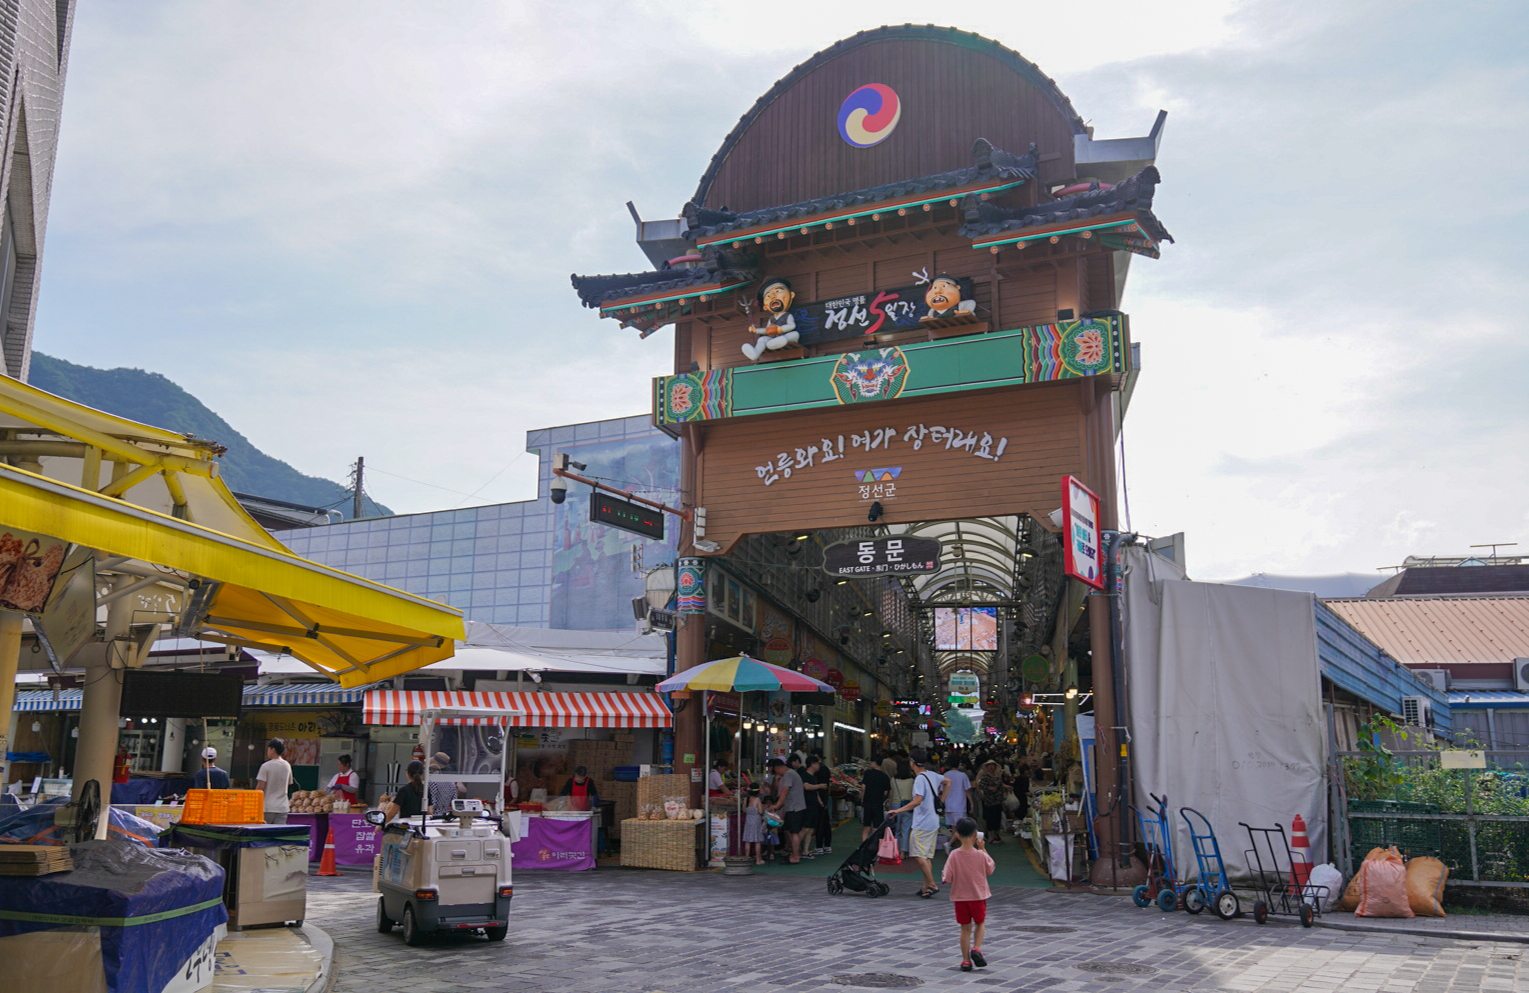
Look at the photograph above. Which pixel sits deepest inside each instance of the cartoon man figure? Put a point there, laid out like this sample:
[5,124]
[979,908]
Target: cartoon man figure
[944,298]
[779,330]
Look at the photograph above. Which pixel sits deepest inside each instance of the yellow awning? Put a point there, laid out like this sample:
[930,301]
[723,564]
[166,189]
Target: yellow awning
[254,591]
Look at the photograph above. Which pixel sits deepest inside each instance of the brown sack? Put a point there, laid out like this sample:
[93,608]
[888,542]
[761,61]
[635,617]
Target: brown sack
[1383,889]
[1425,886]
[1351,894]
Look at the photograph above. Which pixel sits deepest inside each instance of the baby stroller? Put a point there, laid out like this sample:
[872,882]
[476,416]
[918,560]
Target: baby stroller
[858,872]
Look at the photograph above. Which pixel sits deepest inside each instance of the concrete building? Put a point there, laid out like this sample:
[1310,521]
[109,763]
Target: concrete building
[34,57]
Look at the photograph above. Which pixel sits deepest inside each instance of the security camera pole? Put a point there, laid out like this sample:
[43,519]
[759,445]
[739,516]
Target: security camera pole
[560,464]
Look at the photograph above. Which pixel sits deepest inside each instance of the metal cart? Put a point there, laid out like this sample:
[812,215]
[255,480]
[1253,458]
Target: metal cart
[1156,837]
[1283,889]
[1211,888]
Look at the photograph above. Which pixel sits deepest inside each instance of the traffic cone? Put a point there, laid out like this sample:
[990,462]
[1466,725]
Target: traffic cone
[326,864]
[1300,859]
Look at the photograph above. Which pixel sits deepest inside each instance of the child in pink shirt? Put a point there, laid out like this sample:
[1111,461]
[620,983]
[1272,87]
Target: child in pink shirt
[966,870]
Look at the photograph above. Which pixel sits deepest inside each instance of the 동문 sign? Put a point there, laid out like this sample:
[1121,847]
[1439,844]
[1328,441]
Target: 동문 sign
[626,515]
[886,556]
[1080,516]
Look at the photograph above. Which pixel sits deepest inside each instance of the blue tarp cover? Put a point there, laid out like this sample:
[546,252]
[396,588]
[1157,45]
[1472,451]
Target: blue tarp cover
[234,835]
[34,826]
[155,908]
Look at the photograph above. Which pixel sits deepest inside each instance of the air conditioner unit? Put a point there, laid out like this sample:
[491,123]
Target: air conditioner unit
[1416,711]
[1439,678]
[1521,675]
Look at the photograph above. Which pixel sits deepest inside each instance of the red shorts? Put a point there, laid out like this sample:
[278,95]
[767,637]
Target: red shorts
[970,911]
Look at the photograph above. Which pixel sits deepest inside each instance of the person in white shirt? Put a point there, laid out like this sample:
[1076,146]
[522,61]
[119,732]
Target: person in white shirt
[346,782]
[274,779]
[717,781]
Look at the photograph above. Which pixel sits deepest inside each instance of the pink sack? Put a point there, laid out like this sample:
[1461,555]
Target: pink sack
[887,852]
[1383,889]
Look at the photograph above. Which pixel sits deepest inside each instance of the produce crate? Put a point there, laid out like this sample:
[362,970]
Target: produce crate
[660,844]
[224,807]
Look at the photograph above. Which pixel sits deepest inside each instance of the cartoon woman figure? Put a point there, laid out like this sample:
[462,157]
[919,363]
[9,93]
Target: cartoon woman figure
[779,330]
[944,298]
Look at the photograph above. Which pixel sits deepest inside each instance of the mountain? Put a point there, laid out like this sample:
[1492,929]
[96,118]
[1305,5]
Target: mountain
[153,399]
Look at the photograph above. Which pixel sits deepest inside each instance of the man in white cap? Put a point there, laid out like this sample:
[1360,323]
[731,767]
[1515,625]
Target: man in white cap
[209,776]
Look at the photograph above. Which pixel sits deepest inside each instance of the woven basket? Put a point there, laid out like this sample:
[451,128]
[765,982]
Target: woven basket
[659,844]
[656,789]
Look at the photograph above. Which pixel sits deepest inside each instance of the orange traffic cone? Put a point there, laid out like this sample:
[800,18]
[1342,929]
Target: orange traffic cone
[326,864]
[1300,858]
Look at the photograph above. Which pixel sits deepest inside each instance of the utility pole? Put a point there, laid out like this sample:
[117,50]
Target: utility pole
[356,472]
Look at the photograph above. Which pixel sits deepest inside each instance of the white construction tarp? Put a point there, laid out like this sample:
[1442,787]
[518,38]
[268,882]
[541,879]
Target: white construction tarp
[1224,689]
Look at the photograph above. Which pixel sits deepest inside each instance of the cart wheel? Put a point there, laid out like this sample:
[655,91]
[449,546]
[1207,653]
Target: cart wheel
[1139,896]
[1168,899]
[412,935]
[384,922]
[1307,915]
[1227,905]
[1194,900]
[1261,912]
[496,933]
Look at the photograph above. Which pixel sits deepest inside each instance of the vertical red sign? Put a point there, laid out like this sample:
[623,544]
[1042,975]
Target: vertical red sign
[1080,522]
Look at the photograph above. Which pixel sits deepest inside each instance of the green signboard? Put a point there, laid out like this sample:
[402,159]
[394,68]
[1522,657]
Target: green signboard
[1041,354]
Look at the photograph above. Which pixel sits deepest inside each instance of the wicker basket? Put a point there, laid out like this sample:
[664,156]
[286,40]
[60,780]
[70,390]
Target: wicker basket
[656,789]
[660,844]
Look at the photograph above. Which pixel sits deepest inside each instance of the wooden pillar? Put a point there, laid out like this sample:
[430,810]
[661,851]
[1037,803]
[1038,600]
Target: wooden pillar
[690,639]
[1099,426]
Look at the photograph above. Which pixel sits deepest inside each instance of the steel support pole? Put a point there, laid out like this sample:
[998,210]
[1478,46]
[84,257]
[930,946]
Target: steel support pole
[690,639]
[10,662]
[102,705]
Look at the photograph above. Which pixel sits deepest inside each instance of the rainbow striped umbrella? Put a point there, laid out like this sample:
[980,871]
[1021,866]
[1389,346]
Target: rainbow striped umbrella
[742,675]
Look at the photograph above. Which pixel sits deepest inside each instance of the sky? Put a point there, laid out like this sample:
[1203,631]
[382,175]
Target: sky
[348,229]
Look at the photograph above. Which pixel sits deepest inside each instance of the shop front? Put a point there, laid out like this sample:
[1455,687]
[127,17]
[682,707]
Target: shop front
[552,735]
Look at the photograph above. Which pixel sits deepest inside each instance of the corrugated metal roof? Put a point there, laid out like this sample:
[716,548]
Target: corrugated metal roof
[1432,630]
[1353,662]
[1487,699]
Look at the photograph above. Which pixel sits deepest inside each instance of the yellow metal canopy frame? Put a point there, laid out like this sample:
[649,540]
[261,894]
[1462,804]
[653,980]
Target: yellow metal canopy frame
[164,513]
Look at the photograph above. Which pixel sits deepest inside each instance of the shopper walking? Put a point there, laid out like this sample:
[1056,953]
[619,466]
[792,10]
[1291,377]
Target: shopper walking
[925,820]
[815,783]
[875,787]
[409,800]
[966,871]
[209,776]
[791,802]
[902,792]
[958,792]
[991,790]
[273,779]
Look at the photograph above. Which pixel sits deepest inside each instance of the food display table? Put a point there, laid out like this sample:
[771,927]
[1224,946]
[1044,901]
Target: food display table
[355,841]
[560,842]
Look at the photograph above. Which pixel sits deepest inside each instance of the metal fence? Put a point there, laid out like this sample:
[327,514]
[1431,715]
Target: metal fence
[1476,821]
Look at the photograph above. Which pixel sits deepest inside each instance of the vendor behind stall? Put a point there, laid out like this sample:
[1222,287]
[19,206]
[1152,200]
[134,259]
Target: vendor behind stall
[581,791]
[346,782]
[209,776]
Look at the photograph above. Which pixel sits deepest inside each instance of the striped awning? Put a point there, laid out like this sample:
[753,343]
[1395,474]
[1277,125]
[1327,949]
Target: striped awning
[44,700]
[290,695]
[301,694]
[537,710]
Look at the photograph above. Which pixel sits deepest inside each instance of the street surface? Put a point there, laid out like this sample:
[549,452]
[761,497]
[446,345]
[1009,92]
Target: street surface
[660,932]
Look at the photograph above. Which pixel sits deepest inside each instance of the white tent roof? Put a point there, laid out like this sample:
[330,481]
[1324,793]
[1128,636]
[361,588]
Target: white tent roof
[500,647]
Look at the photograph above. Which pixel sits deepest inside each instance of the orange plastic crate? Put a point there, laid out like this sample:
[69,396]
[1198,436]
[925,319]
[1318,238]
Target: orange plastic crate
[224,807]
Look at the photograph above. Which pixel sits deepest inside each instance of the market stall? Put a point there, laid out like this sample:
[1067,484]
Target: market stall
[549,838]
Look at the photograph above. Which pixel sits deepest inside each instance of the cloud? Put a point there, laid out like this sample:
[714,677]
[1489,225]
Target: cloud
[348,229]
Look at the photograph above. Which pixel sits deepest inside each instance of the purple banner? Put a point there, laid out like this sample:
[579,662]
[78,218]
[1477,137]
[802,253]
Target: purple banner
[355,841]
[553,843]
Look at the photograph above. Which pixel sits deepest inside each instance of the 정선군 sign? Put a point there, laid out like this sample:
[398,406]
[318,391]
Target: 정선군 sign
[1080,516]
[885,556]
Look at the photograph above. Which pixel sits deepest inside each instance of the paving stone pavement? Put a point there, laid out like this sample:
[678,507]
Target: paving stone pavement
[614,931]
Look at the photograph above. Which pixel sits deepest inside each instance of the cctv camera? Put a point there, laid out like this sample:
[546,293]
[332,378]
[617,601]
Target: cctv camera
[559,489]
